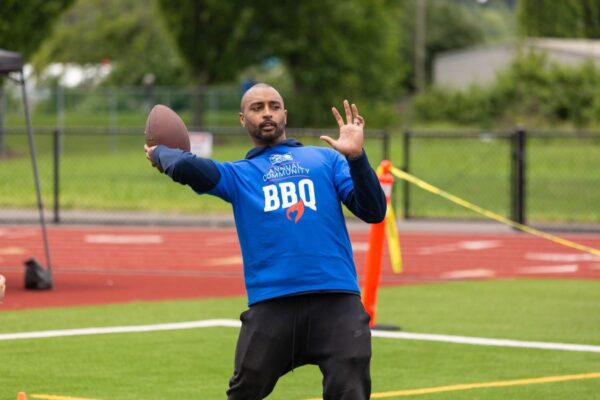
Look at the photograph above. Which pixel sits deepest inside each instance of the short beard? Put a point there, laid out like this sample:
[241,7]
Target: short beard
[269,140]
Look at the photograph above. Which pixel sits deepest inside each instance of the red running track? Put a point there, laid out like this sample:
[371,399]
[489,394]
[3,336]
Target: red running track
[101,265]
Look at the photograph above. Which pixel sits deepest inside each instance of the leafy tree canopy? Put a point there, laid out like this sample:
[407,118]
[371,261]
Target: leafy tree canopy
[335,50]
[215,37]
[329,48]
[563,18]
[359,49]
[128,33]
[25,24]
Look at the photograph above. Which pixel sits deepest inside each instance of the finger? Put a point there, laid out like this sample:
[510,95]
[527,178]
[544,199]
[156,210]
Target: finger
[149,151]
[337,116]
[355,112]
[348,112]
[329,140]
[360,119]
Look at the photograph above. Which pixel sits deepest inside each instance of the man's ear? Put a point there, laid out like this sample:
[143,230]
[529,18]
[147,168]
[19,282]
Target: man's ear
[242,120]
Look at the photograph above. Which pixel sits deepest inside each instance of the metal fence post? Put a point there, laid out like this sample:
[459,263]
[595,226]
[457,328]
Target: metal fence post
[60,107]
[406,167]
[386,151]
[56,142]
[113,95]
[518,140]
[3,109]
[386,145]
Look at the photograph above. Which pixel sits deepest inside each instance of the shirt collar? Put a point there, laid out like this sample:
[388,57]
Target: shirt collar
[260,149]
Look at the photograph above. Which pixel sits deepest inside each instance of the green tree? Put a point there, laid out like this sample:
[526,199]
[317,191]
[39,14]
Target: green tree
[211,35]
[23,27]
[329,48]
[25,24]
[128,33]
[559,18]
[335,50]
[215,38]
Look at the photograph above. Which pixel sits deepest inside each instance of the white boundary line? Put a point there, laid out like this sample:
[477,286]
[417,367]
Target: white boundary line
[230,323]
[487,342]
[210,323]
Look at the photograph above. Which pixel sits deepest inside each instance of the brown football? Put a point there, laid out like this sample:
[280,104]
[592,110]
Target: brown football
[164,126]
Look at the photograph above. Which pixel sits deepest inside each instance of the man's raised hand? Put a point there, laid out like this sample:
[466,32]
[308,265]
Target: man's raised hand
[351,139]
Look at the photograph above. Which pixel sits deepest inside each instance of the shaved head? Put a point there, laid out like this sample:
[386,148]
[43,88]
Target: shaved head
[252,91]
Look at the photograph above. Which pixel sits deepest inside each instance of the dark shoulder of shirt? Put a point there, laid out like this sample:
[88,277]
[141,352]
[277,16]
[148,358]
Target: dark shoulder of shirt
[201,174]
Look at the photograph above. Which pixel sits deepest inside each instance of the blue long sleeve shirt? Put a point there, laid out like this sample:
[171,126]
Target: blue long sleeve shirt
[286,202]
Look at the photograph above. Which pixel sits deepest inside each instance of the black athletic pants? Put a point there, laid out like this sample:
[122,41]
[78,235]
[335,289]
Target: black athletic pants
[330,330]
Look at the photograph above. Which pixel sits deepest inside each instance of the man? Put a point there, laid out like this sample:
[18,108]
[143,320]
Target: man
[303,294]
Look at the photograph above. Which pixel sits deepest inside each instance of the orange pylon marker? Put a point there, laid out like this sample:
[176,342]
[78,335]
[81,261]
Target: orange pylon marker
[375,252]
[22,396]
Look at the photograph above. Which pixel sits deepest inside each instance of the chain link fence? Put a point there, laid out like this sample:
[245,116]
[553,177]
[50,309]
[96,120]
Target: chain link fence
[531,177]
[563,177]
[549,178]
[101,172]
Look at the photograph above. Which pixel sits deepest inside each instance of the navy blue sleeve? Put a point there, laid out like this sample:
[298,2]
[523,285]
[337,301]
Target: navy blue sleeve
[366,200]
[201,174]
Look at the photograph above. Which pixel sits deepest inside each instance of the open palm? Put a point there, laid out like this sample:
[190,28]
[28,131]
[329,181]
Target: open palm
[351,139]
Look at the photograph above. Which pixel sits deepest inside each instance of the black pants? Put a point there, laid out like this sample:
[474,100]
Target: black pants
[330,330]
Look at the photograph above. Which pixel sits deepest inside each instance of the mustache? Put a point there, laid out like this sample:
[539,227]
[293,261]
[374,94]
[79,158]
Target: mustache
[267,123]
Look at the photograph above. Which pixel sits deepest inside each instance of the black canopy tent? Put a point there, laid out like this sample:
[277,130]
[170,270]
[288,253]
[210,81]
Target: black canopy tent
[36,277]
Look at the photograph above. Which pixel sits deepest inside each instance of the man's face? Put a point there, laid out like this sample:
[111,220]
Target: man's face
[264,115]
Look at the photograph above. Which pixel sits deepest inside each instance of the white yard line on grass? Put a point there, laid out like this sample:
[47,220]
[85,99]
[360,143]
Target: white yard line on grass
[209,323]
[487,341]
[229,323]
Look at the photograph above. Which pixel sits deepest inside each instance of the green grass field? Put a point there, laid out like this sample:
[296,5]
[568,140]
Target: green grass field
[197,363]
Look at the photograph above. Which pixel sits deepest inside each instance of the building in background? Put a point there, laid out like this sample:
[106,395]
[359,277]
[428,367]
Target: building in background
[459,69]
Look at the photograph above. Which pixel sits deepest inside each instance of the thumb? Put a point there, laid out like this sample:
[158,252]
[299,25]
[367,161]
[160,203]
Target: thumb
[329,140]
